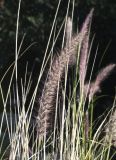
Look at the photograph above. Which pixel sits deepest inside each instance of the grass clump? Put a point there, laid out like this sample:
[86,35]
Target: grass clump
[55,129]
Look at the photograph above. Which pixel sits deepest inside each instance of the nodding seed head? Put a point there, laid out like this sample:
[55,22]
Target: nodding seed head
[93,88]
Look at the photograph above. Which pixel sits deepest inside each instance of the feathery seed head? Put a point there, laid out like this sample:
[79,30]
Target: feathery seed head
[84,40]
[48,99]
[95,87]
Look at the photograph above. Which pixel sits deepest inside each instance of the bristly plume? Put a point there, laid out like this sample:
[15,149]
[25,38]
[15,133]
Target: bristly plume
[46,113]
[95,86]
[104,73]
[90,89]
[78,39]
[84,49]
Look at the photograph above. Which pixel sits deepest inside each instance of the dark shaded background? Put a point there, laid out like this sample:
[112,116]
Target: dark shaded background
[36,18]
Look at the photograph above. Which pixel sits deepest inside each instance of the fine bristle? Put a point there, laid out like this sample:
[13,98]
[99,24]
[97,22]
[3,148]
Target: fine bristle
[46,113]
[104,74]
[84,48]
[100,78]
